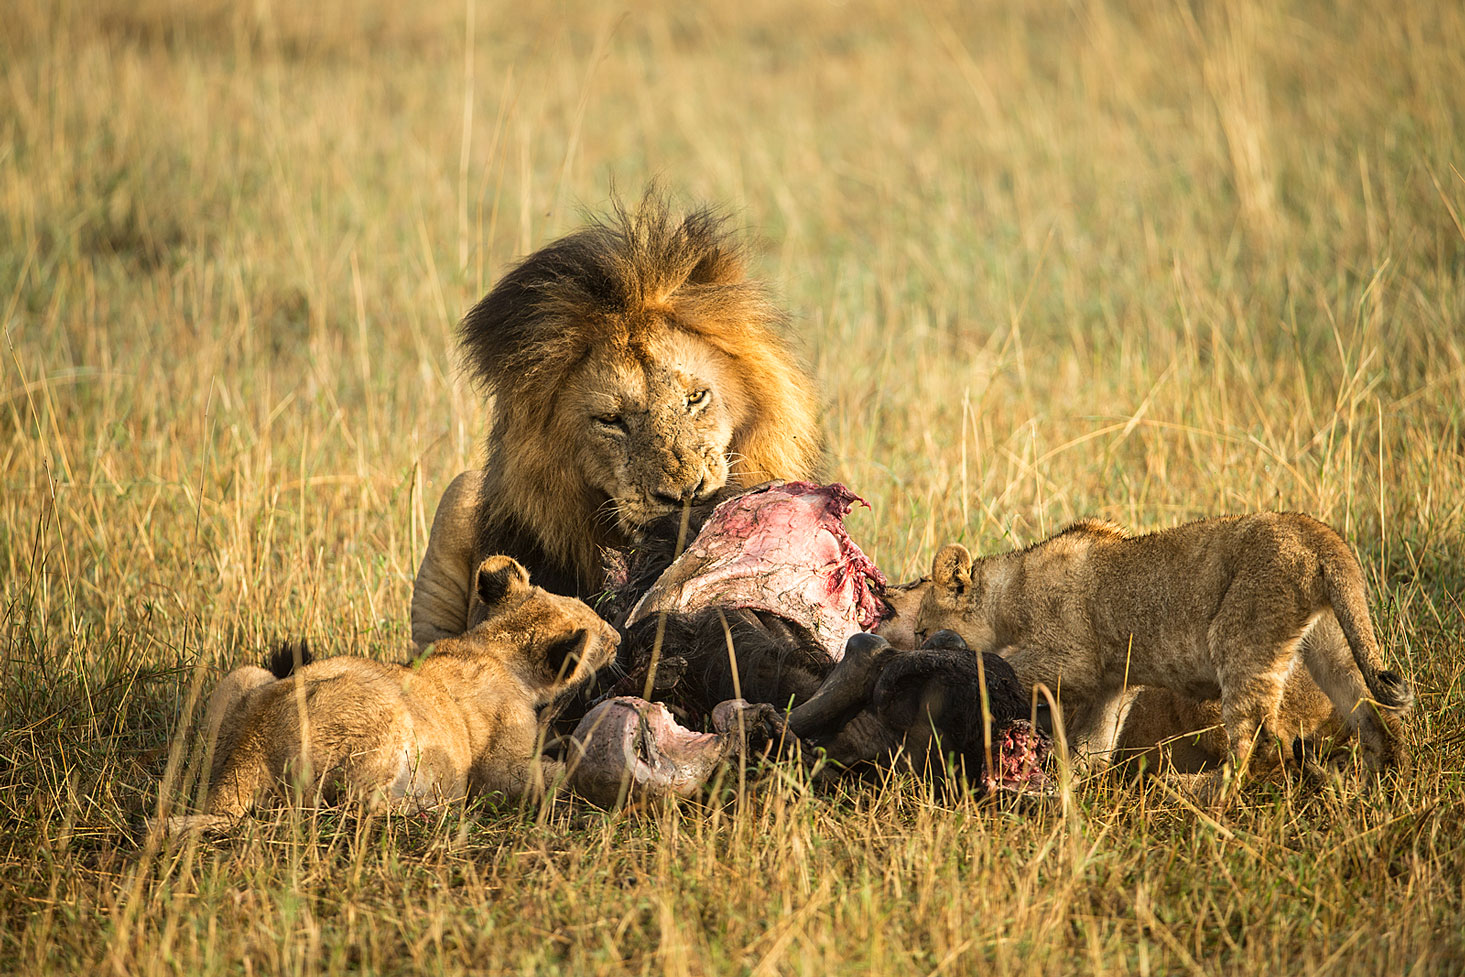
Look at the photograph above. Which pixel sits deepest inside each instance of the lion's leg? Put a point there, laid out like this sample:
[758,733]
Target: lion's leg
[1102,716]
[361,745]
[517,777]
[1247,717]
[414,772]
[1253,643]
[244,774]
[183,823]
[381,769]
[301,739]
[223,729]
[1140,745]
[1330,663]
[1166,730]
[1248,722]
[442,594]
[1251,694]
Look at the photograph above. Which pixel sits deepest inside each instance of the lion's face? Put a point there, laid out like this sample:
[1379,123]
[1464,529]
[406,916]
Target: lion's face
[652,425]
[634,366]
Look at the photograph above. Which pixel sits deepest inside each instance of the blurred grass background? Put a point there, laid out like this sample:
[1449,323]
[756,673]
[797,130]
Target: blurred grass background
[1143,260]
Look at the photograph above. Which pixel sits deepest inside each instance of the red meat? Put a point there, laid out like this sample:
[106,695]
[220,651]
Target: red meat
[781,548]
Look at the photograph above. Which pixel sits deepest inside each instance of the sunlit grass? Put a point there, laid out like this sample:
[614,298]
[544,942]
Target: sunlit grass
[1138,260]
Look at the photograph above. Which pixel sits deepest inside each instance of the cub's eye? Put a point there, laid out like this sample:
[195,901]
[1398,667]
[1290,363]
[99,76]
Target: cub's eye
[610,422]
[699,398]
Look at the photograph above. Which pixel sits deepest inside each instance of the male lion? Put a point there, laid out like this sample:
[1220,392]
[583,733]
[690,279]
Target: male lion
[634,367]
[1218,608]
[461,721]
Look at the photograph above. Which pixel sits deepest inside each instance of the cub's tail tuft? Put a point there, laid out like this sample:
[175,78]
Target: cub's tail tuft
[1394,692]
[288,656]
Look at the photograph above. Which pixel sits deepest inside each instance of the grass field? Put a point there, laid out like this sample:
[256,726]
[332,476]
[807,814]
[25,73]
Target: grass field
[1145,260]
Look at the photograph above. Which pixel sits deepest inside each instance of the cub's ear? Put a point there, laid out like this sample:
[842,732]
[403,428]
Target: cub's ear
[564,653]
[951,570]
[500,577]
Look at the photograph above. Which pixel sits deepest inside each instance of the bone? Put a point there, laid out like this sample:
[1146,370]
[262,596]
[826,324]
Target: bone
[633,750]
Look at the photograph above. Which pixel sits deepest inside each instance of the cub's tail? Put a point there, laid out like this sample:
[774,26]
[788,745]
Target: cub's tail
[287,656]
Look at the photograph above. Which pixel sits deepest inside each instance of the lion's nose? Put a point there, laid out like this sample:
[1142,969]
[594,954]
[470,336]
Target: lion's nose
[687,494]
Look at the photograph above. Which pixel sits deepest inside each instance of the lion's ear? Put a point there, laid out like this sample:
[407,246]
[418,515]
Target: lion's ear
[563,654]
[951,570]
[498,578]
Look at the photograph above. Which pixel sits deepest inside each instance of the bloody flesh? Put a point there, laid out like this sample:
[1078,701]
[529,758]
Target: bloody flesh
[1022,758]
[781,548]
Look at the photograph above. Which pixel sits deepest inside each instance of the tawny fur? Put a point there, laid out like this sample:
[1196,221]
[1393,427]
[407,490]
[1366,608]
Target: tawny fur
[1159,729]
[632,365]
[904,601]
[1164,731]
[461,721]
[1217,609]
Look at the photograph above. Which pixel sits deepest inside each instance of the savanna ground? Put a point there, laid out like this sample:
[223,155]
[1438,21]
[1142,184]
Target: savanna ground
[1143,260]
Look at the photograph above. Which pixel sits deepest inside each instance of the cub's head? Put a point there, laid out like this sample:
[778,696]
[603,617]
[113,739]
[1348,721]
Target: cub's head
[905,606]
[555,643]
[634,366]
[950,599]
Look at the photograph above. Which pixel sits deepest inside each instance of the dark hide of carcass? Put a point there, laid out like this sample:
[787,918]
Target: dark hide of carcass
[777,661]
[925,707]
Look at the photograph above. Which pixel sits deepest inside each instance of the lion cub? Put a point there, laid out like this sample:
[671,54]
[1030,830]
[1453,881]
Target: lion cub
[1212,609]
[460,721]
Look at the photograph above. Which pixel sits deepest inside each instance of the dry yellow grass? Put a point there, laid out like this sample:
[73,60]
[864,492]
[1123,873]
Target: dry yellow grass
[1141,260]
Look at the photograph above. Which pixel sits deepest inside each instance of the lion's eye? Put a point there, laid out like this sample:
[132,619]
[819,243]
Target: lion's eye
[699,398]
[611,422]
